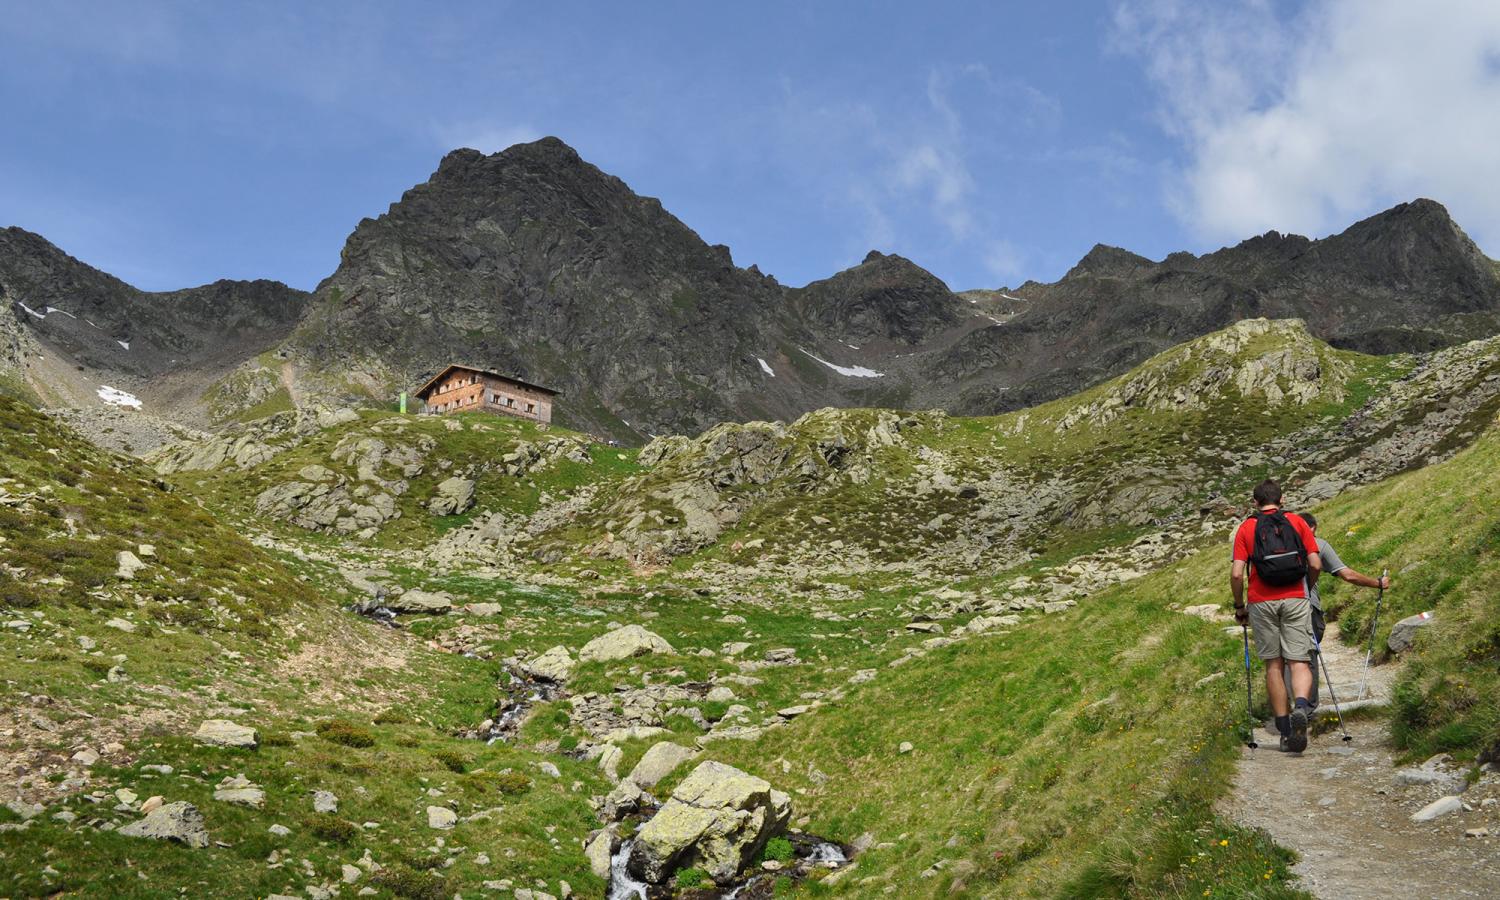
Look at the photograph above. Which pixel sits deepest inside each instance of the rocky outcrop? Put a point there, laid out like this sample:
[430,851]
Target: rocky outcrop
[717,820]
[330,506]
[1225,370]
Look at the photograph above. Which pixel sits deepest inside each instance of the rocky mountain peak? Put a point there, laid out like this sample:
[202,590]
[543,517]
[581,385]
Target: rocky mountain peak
[885,297]
[1105,261]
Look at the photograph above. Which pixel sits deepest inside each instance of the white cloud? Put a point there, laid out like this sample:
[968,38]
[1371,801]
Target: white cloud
[903,171]
[484,137]
[1307,123]
[939,174]
[1003,260]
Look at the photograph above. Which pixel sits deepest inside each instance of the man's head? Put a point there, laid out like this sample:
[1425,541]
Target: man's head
[1267,493]
[1310,519]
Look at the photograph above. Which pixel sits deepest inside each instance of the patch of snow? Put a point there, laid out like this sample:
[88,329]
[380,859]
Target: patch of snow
[30,310]
[850,371]
[765,367]
[1017,299]
[53,309]
[125,344]
[117,397]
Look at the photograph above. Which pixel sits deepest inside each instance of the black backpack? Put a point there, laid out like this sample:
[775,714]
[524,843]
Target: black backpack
[1279,557]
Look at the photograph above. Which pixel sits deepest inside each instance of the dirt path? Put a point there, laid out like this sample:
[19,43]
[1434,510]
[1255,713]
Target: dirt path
[1341,807]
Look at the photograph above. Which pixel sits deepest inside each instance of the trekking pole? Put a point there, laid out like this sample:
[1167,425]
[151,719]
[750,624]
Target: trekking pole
[1335,697]
[1249,711]
[1374,624]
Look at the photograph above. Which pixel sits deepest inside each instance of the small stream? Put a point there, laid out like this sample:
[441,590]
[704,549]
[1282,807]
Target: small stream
[518,694]
[812,852]
[621,885]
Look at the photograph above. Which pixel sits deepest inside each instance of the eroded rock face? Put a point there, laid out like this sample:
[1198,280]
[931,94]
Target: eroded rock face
[717,820]
[623,643]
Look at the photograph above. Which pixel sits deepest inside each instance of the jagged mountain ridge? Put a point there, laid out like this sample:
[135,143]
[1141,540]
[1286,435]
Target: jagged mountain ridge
[1404,280]
[534,262]
[99,324]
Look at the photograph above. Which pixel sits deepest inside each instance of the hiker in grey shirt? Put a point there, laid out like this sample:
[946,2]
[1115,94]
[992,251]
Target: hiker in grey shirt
[1332,565]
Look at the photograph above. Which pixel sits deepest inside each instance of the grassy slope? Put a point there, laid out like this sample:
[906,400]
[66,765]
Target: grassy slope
[1019,785]
[1438,530]
[78,506]
[225,629]
[1021,781]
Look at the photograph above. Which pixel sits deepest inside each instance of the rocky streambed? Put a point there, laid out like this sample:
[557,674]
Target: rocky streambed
[722,833]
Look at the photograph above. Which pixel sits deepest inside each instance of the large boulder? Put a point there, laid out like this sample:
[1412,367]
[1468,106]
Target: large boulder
[717,820]
[127,565]
[554,665]
[623,643]
[453,496]
[415,601]
[179,821]
[1404,632]
[224,733]
[659,762]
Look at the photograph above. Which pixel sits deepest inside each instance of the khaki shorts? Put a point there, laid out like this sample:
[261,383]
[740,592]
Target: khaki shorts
[1282,628]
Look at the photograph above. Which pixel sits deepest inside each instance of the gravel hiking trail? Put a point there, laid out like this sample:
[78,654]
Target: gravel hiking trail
[1341,807]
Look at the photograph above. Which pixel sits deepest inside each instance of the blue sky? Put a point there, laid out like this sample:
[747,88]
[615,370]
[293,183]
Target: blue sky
[175,143]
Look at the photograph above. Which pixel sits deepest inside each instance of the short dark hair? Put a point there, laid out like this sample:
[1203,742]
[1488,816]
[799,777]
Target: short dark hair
[1310,519]
[1268,493]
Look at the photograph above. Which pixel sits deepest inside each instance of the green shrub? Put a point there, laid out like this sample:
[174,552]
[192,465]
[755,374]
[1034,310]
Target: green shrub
[512,783]
[691,878]
[492,782]
[329,827]
[391,717]
[454,760]
[779,849]
[417,884]
[568,743]
[346,733]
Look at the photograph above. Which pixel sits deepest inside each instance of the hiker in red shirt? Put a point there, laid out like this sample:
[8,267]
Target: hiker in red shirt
[1282,555]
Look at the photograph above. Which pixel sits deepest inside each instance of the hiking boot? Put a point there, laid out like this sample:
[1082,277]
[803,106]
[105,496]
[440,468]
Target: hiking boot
[1285,745]
[1296,742]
